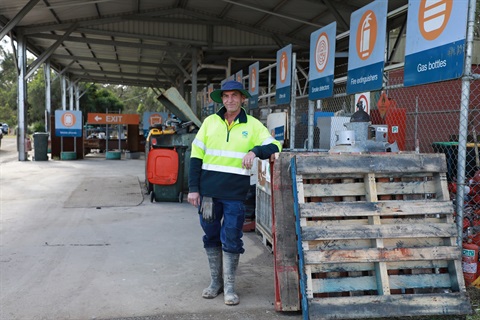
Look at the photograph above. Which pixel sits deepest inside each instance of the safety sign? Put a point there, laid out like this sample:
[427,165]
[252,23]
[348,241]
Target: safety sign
[435,43]
[362,100]
[367,47]
[284,75]
[322,62]
[68,123]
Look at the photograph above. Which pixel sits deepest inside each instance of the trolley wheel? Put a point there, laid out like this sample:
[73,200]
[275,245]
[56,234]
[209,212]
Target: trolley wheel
[152,196]
[180,197]
[149,187]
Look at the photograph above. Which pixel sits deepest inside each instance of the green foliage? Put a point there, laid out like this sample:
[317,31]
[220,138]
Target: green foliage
[36,127]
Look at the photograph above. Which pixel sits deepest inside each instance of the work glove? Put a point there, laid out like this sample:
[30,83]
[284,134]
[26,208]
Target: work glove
[207,210]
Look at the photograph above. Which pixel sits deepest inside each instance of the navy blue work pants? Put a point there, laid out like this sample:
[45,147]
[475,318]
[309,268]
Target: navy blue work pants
[227,228]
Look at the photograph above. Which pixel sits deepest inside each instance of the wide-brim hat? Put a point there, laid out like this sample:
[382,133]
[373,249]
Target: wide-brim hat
[216,95]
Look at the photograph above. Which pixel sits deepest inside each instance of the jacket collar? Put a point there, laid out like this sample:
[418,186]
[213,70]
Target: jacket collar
[242,116]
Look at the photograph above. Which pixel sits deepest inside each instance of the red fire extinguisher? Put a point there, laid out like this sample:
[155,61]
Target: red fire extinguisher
[470,261]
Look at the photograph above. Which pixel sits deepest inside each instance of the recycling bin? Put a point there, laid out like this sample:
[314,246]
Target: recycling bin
[40,146]
[165,170]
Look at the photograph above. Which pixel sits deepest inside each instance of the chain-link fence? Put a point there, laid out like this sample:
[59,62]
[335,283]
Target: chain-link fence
[424,119]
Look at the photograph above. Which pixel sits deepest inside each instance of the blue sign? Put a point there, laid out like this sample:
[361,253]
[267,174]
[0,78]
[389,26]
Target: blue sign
[366,57]
[150,119]
[239,76]
[253,79]
[322,62]
[435,44]
[284,75]
[279,133]
[68,123]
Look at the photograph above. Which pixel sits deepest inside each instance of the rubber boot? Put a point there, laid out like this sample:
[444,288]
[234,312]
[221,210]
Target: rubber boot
[215,262]
[230,264]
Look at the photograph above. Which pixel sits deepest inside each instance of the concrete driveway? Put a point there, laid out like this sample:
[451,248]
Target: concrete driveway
[80,240]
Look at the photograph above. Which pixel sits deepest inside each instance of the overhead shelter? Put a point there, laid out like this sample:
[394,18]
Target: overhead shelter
[159,44]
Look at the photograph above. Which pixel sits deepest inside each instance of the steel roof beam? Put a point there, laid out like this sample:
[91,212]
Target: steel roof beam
[106,42]
[338,17]
[46,54]
[18,17]
[141,36]
[95,21]
[110,61]
[113,73]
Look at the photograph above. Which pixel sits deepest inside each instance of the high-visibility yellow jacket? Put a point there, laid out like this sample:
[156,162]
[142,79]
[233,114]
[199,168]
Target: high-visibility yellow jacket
[217,152]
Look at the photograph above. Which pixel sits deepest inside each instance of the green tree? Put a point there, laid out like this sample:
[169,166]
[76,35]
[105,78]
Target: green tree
[8,88]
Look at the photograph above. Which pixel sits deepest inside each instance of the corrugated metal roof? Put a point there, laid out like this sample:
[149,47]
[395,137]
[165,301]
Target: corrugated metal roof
[151,42]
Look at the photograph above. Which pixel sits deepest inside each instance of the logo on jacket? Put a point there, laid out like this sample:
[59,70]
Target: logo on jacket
[245,134]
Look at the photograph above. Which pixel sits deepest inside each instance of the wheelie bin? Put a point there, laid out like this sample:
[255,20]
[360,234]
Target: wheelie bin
[165,170]
[40,146]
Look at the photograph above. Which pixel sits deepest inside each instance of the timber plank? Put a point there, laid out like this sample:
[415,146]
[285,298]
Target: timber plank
[364,283]
[369,266]
[379,231]
[356,189]
[384,208]
[390,306]
[286,280]
[317,163]
[381,255]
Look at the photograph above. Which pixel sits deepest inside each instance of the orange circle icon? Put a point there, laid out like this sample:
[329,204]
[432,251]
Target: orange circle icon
[68,119]
[321,52]
[433,16]
[366,35]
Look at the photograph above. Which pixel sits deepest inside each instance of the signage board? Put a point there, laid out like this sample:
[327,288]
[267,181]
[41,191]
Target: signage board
[284,75]
[68,123]
[113,118]
[322,62]
[366,57]
[435,43]
[253,79]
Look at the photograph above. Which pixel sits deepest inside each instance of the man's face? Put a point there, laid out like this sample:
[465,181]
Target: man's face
[232,100]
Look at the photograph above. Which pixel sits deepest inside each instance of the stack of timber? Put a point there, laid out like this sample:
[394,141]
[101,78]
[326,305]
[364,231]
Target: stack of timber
[376,236]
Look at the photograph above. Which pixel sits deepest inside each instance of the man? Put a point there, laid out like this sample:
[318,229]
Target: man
[222,155]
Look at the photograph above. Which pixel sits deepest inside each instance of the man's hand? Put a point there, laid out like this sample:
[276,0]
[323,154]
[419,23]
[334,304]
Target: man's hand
[194,199]
[247,162]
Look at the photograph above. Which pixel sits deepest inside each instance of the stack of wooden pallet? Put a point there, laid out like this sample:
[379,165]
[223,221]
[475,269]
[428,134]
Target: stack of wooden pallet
[376,236]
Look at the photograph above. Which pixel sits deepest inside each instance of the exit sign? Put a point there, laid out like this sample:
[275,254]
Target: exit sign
[113,118]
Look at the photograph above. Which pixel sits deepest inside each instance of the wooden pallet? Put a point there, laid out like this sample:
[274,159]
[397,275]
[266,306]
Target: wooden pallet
[376,236]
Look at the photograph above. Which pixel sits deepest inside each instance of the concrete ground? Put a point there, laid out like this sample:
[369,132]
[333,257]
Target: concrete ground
[80,239]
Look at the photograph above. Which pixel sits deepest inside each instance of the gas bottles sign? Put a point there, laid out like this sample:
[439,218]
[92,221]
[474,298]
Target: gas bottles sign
[68,123]
[435,44]
[367,47]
